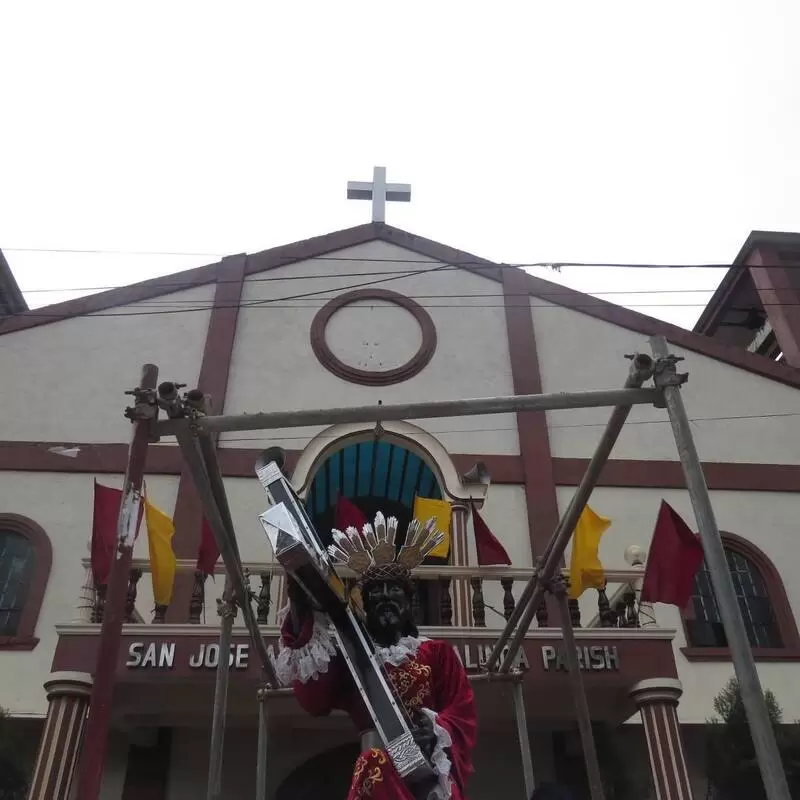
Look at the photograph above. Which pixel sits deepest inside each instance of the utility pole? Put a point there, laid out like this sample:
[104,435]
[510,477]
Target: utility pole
[143,414]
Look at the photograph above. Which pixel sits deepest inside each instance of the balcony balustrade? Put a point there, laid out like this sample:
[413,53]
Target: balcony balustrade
[445,596]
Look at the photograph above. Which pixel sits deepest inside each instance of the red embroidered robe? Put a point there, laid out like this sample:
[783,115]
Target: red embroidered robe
[428,677]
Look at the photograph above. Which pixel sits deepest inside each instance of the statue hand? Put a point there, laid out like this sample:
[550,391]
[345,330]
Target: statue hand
[424,735]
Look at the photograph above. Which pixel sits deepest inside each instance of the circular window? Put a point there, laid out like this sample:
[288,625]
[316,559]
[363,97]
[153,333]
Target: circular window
[373,337]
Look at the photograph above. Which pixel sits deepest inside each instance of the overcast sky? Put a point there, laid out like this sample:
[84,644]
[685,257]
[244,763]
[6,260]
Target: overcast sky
[530,131]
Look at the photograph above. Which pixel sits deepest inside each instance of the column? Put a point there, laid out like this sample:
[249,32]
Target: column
[657,701]
[462,614]
[68,696]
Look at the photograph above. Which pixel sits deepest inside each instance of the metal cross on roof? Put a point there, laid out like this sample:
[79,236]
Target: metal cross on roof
[379,192]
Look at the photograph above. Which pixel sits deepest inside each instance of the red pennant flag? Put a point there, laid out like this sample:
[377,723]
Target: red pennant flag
[347,514]
[675,556]
[107,501]
[208,554]
[490,551]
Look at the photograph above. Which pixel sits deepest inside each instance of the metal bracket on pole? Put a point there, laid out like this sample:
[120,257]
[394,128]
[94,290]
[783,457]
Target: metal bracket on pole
[641,370]
[522,733]
[767,754]
[226,608]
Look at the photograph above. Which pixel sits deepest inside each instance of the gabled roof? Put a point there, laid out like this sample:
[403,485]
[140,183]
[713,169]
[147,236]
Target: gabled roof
[11,299]
[349,237]
[716,306]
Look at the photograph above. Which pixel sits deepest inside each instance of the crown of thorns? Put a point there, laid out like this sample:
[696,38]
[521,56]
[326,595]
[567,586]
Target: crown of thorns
[372,552]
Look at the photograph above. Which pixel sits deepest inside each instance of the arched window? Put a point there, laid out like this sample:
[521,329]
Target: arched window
[378,476]
[17,567]
[765,608]
[25,559]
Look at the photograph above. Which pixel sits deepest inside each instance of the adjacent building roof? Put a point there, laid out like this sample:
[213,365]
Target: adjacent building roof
[349,237]
[11,299]
[735,280]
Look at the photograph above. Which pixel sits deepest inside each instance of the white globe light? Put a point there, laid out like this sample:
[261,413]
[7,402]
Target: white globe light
[634,555]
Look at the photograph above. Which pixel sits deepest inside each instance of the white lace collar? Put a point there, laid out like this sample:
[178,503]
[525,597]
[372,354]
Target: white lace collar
[396,654]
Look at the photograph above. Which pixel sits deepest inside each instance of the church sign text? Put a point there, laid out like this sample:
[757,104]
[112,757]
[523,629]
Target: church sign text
[161,655]
[201,656]
[595,658]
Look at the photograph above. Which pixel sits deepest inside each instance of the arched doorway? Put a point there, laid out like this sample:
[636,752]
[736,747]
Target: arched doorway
[377,476]
[326,775]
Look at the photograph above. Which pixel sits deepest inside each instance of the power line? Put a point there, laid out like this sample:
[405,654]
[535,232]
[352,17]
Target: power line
[188,285]
[73,251]
[235,305]
[434,432]
[279,305]
[476,262]
[550,427]
[267,279]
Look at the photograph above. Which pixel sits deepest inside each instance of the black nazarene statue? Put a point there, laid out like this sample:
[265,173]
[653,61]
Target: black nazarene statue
[427,676]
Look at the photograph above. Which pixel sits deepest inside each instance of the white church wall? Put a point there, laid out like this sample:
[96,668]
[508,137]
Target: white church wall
[766,519]
[65,381]
[761,418]
[273,366]
[62,505]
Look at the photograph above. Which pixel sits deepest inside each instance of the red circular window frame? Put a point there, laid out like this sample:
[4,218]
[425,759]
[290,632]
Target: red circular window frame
[364,377]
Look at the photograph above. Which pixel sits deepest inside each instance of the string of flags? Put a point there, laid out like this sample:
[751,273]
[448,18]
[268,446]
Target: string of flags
[160,532]
[675,555]
[675,552]
[489,550]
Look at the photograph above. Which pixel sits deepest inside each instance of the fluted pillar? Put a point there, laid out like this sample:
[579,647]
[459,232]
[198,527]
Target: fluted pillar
[657,701]
[462,614]
[68,696]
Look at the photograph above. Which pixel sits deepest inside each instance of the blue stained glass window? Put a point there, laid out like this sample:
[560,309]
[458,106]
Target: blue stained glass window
[366,455]
[371,470]
[17,564]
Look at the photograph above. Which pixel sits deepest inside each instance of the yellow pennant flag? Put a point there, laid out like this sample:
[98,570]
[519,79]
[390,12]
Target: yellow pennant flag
[440,510]
[585,569]
[160,529]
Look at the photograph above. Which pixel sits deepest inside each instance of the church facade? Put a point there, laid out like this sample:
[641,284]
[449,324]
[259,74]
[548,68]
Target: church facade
[364,316]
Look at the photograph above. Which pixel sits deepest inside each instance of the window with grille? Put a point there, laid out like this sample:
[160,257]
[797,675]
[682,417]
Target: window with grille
[705,629]
[17,565]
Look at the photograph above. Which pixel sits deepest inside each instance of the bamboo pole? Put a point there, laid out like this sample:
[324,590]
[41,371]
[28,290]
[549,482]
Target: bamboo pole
[641,369]
[226,542]
[767,754]
[227,611]
[263,744]
[579,694]
[95,745]
[430,410]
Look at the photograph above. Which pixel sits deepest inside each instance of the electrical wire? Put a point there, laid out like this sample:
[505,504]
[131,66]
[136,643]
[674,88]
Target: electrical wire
[278,304]
[434,432]
[550,427]
[476,262]
[565,290]
[234,305]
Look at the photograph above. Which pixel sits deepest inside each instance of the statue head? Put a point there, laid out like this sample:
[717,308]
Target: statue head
[385,571]
[387,604]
